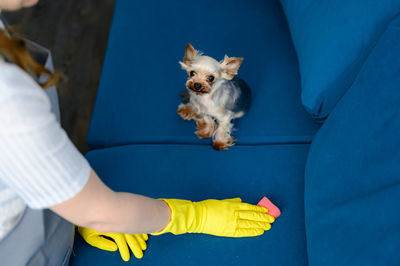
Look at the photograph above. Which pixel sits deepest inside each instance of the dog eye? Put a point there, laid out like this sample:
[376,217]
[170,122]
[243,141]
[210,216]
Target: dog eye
[192,73]
[210,78]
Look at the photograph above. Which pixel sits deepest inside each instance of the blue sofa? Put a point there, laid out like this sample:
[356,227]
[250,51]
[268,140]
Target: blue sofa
[318,70]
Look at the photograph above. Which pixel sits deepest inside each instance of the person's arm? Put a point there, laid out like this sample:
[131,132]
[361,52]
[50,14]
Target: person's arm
[99,208]
[40,163]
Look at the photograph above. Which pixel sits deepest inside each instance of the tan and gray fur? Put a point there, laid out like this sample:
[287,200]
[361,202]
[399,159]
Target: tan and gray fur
[215,96]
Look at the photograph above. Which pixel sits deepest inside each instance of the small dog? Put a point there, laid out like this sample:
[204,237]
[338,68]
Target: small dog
[215,96]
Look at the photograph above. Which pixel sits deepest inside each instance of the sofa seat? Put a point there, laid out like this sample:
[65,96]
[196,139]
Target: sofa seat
[175,171]
[140,87]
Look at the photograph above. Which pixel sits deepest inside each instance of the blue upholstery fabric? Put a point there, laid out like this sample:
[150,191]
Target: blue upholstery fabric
[139,90]
[352,183]
[198,172]
[332,40]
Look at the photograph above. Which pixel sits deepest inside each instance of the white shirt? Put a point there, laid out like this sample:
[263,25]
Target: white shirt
[39,165]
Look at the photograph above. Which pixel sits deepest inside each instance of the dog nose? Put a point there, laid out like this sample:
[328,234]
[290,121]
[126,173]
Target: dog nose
[197,86]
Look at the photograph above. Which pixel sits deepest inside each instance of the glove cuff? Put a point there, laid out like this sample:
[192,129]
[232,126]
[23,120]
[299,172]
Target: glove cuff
[183,217]
[166,229]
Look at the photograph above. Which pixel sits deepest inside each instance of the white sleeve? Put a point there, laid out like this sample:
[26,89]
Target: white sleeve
[37,159]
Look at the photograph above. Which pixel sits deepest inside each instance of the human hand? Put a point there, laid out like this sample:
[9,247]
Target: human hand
[229,217]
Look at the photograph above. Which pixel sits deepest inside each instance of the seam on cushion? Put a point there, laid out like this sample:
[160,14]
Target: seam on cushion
[250,141]
[191,144]
[99,147]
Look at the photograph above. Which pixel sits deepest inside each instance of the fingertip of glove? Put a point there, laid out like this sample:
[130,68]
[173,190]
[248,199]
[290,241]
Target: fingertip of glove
[262,209]
[249,232]
[143,246]
[267,227]
[258,232]
[268,218]
[125,256]
[138,253]
[271,219]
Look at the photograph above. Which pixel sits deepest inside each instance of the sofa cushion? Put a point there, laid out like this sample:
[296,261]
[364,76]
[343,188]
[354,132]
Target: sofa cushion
[332,40]
[139,90]
[352,183]
[174,171]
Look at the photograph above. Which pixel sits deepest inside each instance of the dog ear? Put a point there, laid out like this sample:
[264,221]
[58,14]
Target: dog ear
[190,54]
[183,65]
[230,66]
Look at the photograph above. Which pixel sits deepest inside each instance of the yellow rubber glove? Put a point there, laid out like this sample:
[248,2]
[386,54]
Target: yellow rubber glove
[137,243]
[229,217]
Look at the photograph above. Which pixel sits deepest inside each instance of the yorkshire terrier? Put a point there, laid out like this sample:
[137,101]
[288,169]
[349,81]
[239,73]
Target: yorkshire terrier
[215,97]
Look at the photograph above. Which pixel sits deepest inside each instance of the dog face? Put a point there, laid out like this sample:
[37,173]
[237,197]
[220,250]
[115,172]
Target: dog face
[205,72]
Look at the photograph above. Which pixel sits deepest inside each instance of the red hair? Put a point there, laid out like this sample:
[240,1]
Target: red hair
[15,50]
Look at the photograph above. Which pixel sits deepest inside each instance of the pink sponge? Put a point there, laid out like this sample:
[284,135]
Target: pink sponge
[272,209]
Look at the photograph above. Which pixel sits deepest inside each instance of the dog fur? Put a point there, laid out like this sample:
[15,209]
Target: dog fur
[215,96]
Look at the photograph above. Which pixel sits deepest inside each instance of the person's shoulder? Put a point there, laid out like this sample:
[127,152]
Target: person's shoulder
[13,80]
[11,74]
[23,103]
[20,94]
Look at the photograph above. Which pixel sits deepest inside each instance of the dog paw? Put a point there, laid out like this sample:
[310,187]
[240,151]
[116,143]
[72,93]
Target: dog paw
[204,129]
[186,112]
[223,145]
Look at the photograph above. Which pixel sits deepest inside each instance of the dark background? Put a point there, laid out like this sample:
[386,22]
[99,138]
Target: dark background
[76,33]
